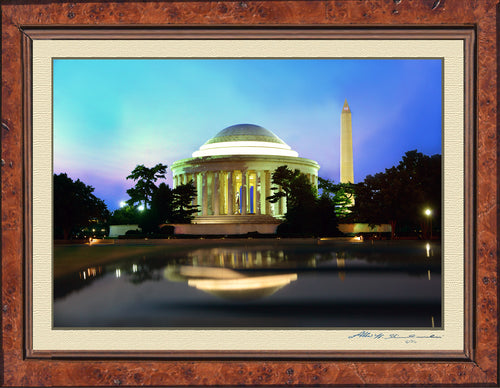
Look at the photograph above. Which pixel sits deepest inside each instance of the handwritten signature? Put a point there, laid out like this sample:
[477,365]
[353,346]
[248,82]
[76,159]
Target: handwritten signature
[411,338]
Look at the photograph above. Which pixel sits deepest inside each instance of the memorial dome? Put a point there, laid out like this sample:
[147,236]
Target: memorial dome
[245,139]
[245,132]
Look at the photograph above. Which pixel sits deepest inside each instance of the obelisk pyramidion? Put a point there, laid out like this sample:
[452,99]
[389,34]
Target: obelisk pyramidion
[346,160]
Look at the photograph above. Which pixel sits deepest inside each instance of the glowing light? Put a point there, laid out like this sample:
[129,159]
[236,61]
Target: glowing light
[428,212]
[140,208]
[249,283]
[210,272]
[245,148]
[134,267]
[118,273]
[123,204]
[428,249]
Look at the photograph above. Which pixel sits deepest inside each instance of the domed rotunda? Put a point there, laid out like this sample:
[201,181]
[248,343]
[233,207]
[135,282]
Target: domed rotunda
[232,175]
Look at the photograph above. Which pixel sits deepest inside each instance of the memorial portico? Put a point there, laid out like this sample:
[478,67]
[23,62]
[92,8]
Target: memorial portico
[232,175]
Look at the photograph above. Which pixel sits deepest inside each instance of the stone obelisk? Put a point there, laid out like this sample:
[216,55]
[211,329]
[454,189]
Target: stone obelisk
[346,160]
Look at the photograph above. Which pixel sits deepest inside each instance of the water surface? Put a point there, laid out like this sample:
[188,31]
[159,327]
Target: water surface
[252,284]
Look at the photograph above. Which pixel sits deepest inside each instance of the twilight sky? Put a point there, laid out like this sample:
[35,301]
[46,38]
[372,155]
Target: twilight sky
[112,114]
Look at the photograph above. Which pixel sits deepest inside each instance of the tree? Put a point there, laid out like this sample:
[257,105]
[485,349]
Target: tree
[75,206]
[183,208]
[326,220]
[341,194]
[400,195]
[161,210]
[306,213]
[292,185]
[376,203]
[162,204]
[166,206]
[127,215]
[145,179]
[169,206]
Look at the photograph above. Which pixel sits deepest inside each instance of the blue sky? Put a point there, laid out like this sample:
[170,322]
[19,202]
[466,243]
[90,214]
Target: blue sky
[112,114]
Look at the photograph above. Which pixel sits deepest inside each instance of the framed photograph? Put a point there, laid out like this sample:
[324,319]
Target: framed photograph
[233,286]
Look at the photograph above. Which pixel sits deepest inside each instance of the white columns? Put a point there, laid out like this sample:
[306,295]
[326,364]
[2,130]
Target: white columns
[218,194]
[215,194]
[222,192]
[200,191]
[230,193]
[204,195]
[181,179]
[195,183]
[210,193]
[257,191]
[280,204]
[243,198]
[267,179]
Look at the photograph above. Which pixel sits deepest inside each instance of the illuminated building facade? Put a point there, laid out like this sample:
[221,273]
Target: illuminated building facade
[232,175]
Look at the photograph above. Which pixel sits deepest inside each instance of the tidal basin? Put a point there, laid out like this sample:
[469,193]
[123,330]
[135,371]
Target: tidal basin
[248,283]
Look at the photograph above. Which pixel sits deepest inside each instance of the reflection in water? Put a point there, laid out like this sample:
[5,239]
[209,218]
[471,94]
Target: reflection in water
[227,283]
[428,250]
[238,258]
[243,288]
[341,264]
[215,271]
[277,284]
[90,272]
[209,272]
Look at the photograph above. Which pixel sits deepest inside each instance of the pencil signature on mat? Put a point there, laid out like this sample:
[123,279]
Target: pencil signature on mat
[391,336]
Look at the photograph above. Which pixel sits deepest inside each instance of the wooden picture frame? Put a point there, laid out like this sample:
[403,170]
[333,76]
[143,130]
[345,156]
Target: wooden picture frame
[476,364]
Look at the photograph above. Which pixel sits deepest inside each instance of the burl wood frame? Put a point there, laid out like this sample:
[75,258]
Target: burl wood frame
[474,21]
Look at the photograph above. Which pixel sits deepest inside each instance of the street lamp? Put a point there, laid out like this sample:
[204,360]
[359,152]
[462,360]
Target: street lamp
[428,213]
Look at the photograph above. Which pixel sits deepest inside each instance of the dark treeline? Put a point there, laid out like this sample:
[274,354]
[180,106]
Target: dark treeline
[307,214]
[160,204]
[78,213]
[76,207]
[399,196]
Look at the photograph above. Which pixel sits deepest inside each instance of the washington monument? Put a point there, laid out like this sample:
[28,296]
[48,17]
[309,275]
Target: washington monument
[346,160]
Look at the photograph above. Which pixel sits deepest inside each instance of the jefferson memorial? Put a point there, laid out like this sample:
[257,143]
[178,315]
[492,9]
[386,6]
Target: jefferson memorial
[232,175]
